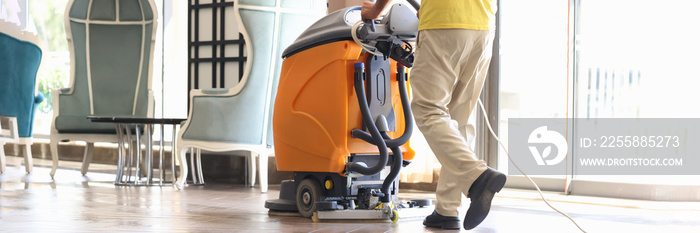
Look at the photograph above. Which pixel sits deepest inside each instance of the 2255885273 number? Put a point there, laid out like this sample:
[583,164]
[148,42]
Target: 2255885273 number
[640,141]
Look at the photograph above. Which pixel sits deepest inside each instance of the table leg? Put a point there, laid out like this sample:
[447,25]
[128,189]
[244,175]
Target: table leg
[173,155]
[160,155]
[138,155]
[148,155]
[130,163]
[120,152]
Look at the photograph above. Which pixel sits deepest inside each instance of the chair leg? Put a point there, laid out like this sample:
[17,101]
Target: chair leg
[194,166]
[28,160]
[263,172]
[54,157]
[87,157]
[199,166]
[252,166]
[183,169]
[2,157]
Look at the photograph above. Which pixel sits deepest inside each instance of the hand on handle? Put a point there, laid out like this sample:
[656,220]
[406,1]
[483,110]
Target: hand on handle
[371,10]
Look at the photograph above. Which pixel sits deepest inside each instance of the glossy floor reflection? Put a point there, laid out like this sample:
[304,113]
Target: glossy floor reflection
[73,203]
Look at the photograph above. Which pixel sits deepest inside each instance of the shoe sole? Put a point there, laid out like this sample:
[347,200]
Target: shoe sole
[494,184]
[445,225]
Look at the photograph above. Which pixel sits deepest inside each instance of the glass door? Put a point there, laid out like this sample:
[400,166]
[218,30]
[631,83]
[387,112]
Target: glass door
[637,59]
[533,83]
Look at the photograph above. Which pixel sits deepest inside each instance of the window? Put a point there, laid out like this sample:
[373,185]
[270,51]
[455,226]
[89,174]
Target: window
[637,59]
[15,11]
[600,59]
[533,68]
[47,19]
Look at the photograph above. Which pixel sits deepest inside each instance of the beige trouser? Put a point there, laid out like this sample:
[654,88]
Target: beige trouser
[446,79]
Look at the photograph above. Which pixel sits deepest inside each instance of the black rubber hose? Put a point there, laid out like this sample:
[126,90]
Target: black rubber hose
[395,169]
[408,116]
[367,118]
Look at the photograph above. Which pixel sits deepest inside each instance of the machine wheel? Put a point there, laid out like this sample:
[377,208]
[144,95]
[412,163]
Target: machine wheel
[394,216]
[308,193]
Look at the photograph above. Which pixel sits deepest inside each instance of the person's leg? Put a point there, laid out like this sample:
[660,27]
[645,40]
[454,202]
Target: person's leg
[433,79]
[473,72]
[441,57]
[449,196]
[459,107]
[472,75]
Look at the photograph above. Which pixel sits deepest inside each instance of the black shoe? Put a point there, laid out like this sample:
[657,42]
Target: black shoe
[481,193]
[439,221]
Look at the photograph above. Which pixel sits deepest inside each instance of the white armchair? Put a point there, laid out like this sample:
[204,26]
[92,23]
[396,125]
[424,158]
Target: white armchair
[240,118]
[111,45]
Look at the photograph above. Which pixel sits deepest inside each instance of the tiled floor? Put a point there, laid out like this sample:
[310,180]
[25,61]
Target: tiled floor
[35,203]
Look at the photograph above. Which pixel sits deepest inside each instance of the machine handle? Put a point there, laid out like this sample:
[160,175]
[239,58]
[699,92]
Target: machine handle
[371,21]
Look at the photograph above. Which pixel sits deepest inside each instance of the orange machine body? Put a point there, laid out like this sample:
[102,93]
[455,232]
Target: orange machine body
[316,109]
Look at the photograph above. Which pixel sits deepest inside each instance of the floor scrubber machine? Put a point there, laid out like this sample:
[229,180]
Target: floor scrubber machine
[341,105]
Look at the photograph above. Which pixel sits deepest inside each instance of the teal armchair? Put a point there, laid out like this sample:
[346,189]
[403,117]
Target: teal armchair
[240,118]
[20,57]
[111,45]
